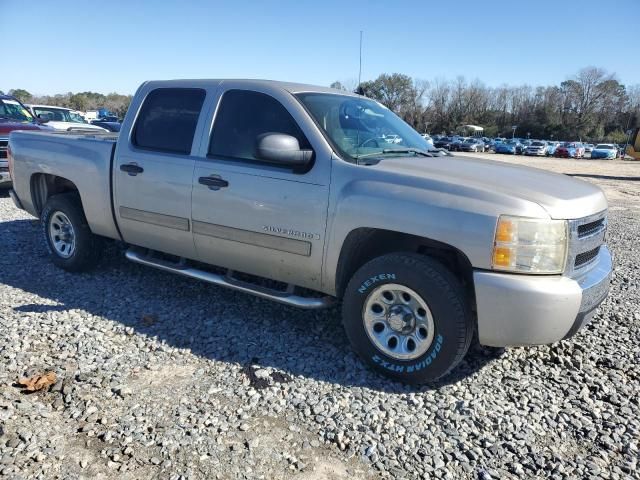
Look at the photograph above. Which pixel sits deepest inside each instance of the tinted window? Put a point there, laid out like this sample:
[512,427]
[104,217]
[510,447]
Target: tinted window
[243,116]
[168,118]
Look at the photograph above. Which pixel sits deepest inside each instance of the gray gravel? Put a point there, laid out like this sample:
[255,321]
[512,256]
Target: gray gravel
[166,377]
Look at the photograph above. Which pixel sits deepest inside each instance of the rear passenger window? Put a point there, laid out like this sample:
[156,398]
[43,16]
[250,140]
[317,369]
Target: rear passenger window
[168,118]
[243,115]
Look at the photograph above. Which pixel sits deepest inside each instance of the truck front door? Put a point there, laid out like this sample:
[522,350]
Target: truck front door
[153,171]
[255,217]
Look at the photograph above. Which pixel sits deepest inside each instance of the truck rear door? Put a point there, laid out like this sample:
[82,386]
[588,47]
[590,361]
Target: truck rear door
[257,217]
[153,170]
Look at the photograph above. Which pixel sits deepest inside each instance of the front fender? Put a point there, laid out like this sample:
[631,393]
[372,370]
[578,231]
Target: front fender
[459,216]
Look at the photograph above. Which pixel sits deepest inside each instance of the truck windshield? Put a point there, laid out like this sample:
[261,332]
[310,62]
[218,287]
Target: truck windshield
[360,127]
[14,110]
[58,114]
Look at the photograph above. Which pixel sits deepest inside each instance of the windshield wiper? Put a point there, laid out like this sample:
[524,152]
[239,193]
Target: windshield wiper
[388,151]
[417,151]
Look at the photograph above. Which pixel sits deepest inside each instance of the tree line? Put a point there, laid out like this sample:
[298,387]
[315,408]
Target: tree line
[591,105]
[83,101]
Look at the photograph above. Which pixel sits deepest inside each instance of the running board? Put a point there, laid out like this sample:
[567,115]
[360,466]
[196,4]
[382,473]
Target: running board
[181,268]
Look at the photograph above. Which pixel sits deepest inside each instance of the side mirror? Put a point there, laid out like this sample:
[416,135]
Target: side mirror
[282,149]
[43,118]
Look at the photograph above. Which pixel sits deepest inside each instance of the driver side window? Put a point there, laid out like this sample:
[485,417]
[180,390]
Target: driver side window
[244,115]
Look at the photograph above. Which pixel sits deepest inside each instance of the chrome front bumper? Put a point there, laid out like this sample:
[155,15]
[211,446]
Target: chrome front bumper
[534,310]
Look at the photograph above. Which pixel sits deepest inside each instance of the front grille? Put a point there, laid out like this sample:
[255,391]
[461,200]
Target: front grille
[4,169]
[586,236]
[590,228]
[586,257]
[3,148]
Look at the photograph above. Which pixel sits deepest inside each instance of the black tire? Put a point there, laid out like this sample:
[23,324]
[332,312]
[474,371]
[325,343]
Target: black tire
[446,299]
[88,247]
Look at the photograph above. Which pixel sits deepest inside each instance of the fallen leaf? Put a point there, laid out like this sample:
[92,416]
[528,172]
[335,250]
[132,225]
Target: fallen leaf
[38,382]
[149,319]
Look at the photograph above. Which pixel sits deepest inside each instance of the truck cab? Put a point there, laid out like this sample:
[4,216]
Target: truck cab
[292,192]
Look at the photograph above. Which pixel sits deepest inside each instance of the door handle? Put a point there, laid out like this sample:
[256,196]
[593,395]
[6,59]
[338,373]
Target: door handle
[132,169]
[213,182]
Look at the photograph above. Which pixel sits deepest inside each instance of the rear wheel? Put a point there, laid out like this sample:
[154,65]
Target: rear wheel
[72,246]
[407,316]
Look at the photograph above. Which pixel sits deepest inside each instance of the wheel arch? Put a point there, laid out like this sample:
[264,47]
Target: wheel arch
[45,185]
[364,244]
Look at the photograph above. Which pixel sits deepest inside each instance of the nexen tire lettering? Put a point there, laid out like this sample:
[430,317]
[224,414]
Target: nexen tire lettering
[375,279]
[425,362]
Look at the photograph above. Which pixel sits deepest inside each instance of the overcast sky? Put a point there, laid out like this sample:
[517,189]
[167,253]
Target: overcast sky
[60,46]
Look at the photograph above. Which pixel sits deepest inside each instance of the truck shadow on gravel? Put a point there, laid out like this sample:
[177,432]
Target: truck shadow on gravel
[212,322]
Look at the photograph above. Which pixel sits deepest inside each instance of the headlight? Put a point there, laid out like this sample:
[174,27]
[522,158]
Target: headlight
[530,245]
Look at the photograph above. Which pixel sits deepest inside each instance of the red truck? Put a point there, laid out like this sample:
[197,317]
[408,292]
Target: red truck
[13,116]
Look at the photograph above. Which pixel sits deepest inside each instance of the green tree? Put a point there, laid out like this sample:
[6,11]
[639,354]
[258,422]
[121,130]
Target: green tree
[617,136]
[21,94]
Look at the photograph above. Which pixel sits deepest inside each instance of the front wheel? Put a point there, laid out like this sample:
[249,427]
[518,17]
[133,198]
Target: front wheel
[72,246]
[407,316]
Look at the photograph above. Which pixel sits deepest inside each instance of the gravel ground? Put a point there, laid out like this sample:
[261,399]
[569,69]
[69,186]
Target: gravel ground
[164,377]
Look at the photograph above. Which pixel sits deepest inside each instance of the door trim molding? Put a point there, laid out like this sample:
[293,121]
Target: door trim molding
[169,221]
[257,239]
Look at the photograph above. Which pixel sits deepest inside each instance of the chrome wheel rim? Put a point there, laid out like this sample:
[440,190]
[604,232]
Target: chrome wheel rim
[398,321]
[62,235]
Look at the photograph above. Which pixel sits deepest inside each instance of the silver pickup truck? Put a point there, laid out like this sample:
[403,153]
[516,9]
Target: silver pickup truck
[293,193]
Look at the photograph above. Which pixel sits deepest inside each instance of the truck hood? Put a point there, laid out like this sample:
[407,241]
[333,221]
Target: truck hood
[66,125]
[563,197]
[7,126]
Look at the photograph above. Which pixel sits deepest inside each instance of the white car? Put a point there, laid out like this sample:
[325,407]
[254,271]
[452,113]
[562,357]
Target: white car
[537,148]
[428,139]
[392,138]
[62,118]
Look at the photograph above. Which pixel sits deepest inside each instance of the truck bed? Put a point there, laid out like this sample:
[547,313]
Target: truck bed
[83,158]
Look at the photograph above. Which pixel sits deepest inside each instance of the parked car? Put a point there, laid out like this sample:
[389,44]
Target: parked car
[491,146]
[570,150]
[444,142]
[605,150]
[392,138]
[522,145]
[62,118]
[456,144]
[472,145]
[537,148]
[111,126]
[588,148]
[424,253]
[551,148]
[13,116]
[507,147]
[428,139]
